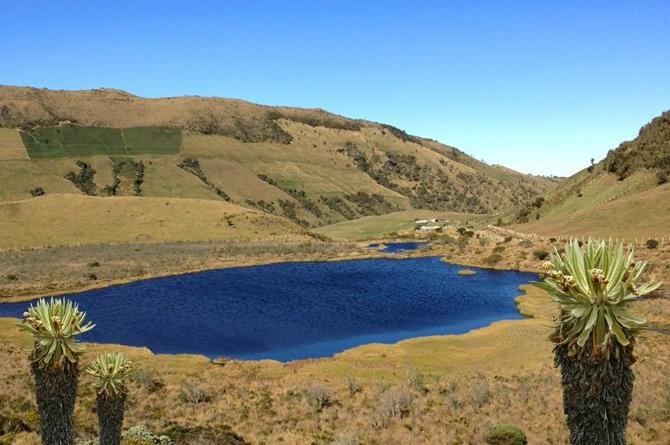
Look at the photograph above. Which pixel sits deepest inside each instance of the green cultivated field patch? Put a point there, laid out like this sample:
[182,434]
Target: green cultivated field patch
[152,140]
[74,141]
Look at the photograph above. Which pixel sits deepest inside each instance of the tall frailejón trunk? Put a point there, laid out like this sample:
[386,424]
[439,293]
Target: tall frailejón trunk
[56,391]
[110,417]
[596,394]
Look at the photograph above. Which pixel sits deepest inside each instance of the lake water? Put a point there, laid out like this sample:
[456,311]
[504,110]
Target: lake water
[399,247]
[290,311]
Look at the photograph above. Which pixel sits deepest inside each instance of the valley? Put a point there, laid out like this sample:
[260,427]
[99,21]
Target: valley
[102,188]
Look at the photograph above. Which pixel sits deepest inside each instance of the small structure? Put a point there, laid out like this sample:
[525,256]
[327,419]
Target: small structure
[429,228]
[425,221]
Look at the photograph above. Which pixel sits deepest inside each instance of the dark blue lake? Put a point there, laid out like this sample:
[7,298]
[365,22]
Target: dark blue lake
[399,247]
[297,310]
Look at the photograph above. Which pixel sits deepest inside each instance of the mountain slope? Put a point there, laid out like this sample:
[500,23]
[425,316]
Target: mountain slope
[308,165]
[625,195]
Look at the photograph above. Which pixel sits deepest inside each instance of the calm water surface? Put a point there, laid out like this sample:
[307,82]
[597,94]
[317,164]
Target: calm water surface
[399,247]
[297,310]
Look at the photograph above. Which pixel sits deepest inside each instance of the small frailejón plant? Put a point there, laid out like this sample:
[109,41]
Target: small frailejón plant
[110,371]
[54,326]
[594,336]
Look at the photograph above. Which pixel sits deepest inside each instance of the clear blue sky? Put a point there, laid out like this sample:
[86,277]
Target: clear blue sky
[539,86]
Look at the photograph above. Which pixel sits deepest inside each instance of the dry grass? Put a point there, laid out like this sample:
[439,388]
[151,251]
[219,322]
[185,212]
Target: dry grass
[11,146]
[27,273]
[636,215]
[56,220]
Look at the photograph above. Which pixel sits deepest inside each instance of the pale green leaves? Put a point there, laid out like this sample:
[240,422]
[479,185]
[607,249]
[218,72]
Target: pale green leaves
[54,325]
[594,285]
[110,371]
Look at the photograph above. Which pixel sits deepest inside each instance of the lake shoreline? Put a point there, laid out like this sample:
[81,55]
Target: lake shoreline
[362,253]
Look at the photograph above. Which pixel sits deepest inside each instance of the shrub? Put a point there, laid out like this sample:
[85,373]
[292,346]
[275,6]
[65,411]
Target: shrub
[10,277]
[193,392]
[220,434]
[318,397]
[415,380]
[393,403]
[498,249]
[492,259]
[353,385]
[149,381]
[507,239]
[37,191]
[141,435]
[541,254]
[552,240]
[526,243]
[93,264]
[91,276]
[651,244]
[346,439]
[505,434]
[84,179]
[481,395]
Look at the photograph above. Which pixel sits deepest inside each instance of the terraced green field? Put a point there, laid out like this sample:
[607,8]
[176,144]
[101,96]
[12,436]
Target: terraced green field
[72,141]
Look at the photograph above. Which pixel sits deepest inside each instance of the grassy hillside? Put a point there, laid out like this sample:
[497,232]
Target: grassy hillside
[391,224]
[625,195]
[72,220]
[649,150]
[640,216]
[11,146]
[310,166]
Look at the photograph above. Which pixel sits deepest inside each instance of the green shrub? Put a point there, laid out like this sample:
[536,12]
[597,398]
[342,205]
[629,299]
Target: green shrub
[192,166]
[37,191]
[492,259]
[11,277]
[541,254]
[651,244]
[91,276]
[84,179]
[505,434]
[507,239]
[93,264]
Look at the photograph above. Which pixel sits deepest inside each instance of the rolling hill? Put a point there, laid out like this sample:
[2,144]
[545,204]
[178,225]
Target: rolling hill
[310,166]
[626,195]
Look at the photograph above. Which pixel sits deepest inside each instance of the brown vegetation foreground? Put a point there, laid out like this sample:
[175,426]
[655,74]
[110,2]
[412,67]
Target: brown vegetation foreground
[445,389]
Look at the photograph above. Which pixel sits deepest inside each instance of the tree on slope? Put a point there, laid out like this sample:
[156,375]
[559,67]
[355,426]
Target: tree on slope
[594,336]
[54,326]
[110,371]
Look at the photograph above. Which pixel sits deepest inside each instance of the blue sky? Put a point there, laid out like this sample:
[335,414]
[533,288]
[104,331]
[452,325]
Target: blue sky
[539,86]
